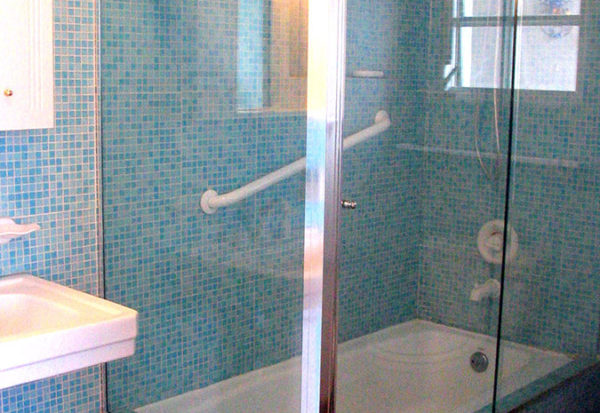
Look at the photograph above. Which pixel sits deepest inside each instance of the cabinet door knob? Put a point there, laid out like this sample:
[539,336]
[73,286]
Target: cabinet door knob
[8,92]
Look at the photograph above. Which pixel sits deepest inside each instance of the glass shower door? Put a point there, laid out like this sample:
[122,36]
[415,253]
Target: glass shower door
[199,100]
[551,303]
[421,255]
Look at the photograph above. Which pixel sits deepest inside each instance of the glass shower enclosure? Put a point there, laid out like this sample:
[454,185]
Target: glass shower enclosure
[200,96]
[440,258]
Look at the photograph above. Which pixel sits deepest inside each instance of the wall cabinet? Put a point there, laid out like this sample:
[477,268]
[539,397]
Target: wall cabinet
[26,64]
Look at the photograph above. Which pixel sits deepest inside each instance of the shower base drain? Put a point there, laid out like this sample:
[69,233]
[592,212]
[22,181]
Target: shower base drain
[479,362]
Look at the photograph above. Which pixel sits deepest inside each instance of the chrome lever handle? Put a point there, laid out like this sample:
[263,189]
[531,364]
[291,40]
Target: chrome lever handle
[348,204]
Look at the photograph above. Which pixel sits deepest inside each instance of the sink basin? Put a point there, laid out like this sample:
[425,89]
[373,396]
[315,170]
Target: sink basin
[48,329]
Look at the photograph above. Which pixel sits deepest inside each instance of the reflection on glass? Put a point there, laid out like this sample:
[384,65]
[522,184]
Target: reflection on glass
[251,61]
[288,54]
[220,297]
[272,54]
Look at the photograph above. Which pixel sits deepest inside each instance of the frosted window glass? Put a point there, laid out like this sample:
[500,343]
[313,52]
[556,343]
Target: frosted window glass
[482,8]
[546,62]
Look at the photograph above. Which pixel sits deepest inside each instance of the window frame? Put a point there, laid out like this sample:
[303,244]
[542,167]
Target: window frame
[451,79]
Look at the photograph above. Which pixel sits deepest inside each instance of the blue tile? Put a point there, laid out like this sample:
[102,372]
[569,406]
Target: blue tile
[49,177]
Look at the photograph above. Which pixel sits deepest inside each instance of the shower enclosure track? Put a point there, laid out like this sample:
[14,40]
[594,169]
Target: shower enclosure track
[211,200]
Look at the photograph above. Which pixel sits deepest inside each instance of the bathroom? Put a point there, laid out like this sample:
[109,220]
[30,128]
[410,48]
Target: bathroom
[155,102]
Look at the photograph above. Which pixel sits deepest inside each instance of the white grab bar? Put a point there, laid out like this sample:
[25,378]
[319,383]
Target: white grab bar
[211,200]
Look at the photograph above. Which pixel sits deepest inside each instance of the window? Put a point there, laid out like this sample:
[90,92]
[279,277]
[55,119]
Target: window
[547,44]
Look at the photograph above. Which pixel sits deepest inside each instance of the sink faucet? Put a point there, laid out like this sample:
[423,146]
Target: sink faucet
[490,288]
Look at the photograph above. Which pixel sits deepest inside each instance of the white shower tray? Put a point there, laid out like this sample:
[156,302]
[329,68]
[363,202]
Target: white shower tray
[48,329]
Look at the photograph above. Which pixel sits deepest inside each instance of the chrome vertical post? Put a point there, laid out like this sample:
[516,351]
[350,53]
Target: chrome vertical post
[326,76]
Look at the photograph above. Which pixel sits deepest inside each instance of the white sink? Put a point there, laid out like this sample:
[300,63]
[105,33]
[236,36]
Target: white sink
[47,329]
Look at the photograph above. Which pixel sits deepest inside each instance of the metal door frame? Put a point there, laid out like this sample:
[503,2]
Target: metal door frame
[325,110]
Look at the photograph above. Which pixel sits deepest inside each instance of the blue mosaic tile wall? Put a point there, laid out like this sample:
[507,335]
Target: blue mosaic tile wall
[49,176]
[220,295]
[378,268]
[552,289]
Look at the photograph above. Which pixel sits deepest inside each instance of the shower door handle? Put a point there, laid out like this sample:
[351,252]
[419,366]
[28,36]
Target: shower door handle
[348,204]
